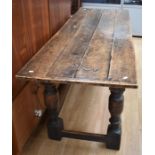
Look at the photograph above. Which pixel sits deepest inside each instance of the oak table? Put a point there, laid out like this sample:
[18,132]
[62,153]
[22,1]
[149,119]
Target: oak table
[93,47]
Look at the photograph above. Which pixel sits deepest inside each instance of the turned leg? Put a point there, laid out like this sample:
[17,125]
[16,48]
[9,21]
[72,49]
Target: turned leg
[55,124]
[116,100]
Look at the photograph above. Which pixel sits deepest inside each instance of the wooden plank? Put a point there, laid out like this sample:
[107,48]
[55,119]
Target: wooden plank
[69,61]
[95,65]
[39,65]
[122,25]
[94,51]
[122,68]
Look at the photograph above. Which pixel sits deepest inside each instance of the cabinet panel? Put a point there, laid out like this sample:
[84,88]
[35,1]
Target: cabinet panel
[59,12]
[30,32]
[24,120]
[34,22]
[20,54]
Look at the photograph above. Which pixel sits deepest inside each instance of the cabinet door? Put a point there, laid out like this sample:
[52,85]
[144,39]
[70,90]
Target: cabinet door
[34,22]
[24,120]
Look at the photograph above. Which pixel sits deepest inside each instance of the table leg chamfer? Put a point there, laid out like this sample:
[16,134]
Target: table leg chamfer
[56,128]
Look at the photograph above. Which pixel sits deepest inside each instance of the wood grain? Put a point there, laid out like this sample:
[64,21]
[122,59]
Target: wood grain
[49,53]
[20,54]
[122,65]
[96,50]
[95,64]
[32,27]
[59,12]
[73,54]
[30,32]
[36,21]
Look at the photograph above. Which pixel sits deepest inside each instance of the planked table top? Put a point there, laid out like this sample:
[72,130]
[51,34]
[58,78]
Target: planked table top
[94,46]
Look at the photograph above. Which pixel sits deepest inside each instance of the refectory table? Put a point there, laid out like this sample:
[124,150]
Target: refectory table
[93,47]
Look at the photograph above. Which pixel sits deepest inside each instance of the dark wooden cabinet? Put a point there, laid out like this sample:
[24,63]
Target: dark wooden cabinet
[76,4]
[30,32]
[59,12]
[34,22]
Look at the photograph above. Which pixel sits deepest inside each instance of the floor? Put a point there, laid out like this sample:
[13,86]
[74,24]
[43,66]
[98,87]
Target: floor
[85,109]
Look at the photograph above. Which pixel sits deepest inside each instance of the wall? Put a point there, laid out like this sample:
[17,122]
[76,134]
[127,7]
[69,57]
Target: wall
[34,22]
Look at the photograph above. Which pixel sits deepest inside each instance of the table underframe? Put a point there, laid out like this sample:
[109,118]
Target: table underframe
[55,124]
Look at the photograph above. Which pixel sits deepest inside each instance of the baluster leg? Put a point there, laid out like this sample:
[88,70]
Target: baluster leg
[116,101]
[55,124]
